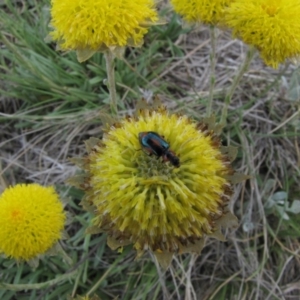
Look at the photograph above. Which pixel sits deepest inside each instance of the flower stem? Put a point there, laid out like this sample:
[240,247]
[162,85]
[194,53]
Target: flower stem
[38,286]
[243,68]
[111,84]
[189,289]
[161,277]
[212,70]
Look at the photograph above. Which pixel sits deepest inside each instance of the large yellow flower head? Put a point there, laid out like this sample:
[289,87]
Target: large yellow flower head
[204,11]
[100,24]
[272,26]
[31,220]
[159,201]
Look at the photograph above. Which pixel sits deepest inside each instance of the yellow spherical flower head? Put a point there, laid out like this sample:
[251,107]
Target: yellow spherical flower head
[164,202]
[31,220]
[272,26]
[100,24]
[204,11]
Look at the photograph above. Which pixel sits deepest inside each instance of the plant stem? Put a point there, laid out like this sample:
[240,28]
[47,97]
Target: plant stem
[212,70]
[111,81]
[161,277]
[38,286]
[243,68]
[189,289]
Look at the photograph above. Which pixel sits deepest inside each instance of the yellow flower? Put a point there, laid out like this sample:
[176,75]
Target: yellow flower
[157,203]
[272,26]
[100,24]
[204,11]
[31,220]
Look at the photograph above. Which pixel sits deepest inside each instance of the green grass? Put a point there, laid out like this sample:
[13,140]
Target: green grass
[50,104]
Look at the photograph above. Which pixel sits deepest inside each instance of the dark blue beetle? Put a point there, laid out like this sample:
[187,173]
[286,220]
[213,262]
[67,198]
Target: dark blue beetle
[153,143]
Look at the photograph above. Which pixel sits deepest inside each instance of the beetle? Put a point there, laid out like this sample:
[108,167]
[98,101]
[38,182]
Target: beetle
[153,143]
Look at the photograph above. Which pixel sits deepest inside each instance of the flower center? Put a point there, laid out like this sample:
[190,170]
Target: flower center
[16,215]
[152,166]
[271,10]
